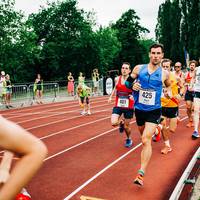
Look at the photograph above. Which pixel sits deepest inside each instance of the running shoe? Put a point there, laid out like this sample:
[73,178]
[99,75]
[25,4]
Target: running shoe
[83,113]
[89,113]
[24,195]
[195,135]
[166,150]
[128,143]
[139,180]
[157,135]
[121,127]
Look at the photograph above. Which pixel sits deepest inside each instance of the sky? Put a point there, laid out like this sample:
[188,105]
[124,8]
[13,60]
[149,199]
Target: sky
[107,10]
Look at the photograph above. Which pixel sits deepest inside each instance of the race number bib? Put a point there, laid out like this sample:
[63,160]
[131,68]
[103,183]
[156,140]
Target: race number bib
[147,97]
[123,102]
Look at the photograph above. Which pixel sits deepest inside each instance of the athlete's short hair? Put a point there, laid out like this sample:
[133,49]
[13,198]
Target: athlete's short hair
[156,45]
[193,61]
[166,60]
[127,63]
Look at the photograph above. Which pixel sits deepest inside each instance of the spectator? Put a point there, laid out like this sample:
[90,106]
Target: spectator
[8,91]
[38,89]
[95,79]
[70,84]
[3,87]
[81,79]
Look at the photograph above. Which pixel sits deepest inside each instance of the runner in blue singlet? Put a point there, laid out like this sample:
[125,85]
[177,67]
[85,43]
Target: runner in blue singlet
[147,94]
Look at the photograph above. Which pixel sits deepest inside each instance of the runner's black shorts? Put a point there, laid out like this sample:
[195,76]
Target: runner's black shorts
[171,112]
[189,96]
[153,116]
[85,99]
[128,113]
[197,95]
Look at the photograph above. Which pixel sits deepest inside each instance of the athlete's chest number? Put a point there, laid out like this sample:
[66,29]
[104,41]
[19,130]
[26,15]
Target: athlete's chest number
[147,97]
[123,102]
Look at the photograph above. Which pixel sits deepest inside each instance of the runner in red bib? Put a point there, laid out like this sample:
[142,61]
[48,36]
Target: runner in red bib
[123,104]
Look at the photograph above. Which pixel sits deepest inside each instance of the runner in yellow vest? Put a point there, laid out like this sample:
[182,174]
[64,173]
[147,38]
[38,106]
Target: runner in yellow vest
[170,102]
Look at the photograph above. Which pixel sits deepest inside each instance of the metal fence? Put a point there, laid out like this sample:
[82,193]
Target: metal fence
[24,95]
[50,91]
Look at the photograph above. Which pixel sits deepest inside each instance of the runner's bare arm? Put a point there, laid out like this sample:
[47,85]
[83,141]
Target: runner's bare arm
[114,89]
[5,166]
[132,77]
[32,151]
[165,78]
[135,72]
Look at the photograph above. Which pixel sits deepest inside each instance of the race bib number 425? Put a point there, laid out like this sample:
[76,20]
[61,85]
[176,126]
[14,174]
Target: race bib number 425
[147,97]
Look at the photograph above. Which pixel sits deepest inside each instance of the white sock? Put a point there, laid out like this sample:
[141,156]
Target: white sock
[161,126]
[167,143]
[156,132]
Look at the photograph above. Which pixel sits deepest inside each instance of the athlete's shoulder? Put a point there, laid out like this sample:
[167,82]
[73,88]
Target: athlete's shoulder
[137,68]
[117,78]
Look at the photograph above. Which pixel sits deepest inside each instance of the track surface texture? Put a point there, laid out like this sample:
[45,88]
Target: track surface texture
[87,157]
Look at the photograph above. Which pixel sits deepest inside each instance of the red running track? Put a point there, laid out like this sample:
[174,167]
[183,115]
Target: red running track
[87,156]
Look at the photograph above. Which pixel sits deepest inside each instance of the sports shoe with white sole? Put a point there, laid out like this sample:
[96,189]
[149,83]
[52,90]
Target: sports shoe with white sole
[195,135]
[128,143]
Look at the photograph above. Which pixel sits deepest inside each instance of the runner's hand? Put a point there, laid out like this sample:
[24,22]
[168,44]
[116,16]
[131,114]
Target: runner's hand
[136,86]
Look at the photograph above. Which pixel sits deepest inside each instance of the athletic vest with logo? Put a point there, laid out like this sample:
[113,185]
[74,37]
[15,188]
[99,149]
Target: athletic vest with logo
[188,79]
[173,91]
[123,94]
[149,97]
[197,80]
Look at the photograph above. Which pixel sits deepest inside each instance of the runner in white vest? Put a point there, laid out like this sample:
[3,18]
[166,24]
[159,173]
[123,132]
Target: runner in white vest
[196,80]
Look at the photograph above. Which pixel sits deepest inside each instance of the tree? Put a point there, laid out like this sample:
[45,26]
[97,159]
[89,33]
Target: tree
[178,28]
[128,32]
[67,37]
[108,47]
[164,27]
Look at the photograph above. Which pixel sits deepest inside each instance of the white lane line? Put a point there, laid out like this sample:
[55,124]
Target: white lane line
[31,109]
[76,145]
[65,119]
[105,169]
[101,172]
[62,120]
[72,128]
[71,111]
[84,142]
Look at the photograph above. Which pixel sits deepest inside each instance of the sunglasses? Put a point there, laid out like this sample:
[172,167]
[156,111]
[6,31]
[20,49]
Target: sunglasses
[166,67]
[177,66]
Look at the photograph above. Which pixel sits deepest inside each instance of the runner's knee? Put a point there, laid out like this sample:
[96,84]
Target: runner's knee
[188,106]
[146,140]
[114,124]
